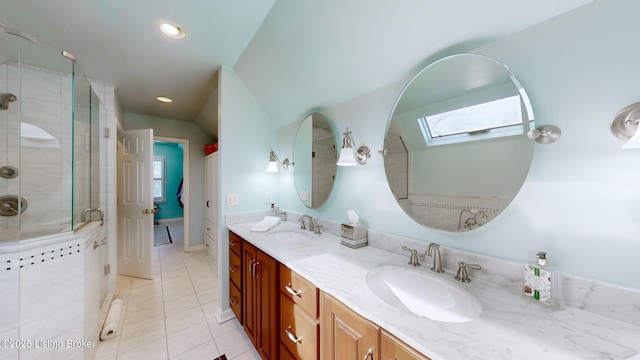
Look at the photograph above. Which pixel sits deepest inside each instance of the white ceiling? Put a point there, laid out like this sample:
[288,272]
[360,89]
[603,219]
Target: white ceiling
[294,55]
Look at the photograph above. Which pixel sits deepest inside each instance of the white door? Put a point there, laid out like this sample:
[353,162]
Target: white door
[135,204]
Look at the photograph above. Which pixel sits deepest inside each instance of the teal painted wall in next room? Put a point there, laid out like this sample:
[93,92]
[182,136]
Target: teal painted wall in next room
[174,173]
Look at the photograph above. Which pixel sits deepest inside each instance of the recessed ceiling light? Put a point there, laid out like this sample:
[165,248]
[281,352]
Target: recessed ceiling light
[164,99]
[173,31]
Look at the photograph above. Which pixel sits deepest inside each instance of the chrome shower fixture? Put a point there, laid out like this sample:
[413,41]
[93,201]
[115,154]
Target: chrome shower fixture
[5,99]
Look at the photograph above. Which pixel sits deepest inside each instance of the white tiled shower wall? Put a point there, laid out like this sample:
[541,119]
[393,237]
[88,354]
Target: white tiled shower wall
[44,99]
[57,298]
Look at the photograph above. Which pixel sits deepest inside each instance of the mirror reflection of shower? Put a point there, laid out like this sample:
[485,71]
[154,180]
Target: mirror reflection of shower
[472,221]
[5,99]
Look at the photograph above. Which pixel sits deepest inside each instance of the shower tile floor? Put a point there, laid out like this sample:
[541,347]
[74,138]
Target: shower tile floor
[172,316]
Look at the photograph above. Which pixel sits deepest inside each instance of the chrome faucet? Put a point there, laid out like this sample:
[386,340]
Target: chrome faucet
[462,274]
[302,224]
[413,259]
[434,251]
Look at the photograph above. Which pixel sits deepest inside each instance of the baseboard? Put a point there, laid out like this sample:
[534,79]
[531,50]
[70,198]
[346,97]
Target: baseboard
[196,248]
[224,316]
[162,221]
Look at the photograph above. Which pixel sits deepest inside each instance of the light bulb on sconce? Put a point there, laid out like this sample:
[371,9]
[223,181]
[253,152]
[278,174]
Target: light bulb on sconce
[624,126]
[349,156]
[273,162]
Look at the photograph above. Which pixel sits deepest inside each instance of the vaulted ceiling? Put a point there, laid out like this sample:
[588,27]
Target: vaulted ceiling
[293,55]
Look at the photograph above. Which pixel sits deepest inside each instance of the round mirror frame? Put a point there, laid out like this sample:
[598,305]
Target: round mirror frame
[454,211]
[315,179]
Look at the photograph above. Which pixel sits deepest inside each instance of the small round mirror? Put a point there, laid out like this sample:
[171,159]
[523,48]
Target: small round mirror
[456,150]
[314,158]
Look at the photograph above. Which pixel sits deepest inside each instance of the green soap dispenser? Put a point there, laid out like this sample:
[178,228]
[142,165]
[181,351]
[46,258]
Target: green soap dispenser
[542,282]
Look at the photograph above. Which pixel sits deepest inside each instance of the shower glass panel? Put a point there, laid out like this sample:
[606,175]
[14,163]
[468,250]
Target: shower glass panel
[86,177]
[35,140]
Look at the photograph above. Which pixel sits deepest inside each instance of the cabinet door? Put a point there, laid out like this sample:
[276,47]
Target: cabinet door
[394,349]
[266,270]
[344,334]
[211,186]
[249,303]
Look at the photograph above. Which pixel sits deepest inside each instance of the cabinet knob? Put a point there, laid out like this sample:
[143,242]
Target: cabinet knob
[233,268]
[233,301]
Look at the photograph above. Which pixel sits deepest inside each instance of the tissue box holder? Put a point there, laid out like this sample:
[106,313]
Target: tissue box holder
[354,236]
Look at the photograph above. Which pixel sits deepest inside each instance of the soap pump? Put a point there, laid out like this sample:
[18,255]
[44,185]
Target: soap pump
[542,282]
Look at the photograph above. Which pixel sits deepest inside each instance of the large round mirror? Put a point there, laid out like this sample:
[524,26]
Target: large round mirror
[314,157]
[456,150]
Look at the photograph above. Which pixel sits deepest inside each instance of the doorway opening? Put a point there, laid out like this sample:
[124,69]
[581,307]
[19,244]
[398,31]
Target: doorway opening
[171,186]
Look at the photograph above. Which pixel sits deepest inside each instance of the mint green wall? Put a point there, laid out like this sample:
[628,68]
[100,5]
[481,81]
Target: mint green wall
[581,192]
[197,140]
[173,161]
[245,136]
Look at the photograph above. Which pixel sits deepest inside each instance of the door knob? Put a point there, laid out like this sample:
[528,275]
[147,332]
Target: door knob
[146,212]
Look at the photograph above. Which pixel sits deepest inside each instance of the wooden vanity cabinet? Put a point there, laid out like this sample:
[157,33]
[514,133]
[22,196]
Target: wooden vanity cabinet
[260,301]
[235,275]
[299,325]
[392,348]
[346,335]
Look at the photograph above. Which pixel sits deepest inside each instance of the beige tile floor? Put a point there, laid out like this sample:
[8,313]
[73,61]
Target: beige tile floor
[172,316]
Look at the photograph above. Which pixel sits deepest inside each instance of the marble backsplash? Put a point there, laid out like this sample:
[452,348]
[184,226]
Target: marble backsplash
[606,299]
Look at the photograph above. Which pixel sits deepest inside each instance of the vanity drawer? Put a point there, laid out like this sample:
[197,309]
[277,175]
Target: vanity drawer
[299,290]
[298,332]
[235,269]
[235,243]
[209,228]
[235,301]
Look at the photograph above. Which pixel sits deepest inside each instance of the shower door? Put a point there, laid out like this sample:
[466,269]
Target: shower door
[36,84]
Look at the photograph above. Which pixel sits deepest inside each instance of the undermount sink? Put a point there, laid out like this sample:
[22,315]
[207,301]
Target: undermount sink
[288,235]
[423,294]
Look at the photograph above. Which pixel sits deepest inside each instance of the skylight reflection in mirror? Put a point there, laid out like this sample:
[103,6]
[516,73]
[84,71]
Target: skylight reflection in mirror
[491,119]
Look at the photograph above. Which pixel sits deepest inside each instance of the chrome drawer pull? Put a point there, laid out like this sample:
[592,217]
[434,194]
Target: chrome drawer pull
[292,337]
[369,355]
[291,291]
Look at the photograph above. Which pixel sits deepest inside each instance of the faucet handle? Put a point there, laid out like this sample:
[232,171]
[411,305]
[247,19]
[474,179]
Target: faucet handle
[302,225]
[413,259]
[462,274]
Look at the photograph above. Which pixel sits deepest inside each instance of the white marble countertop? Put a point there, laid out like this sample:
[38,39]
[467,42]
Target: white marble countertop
[510,326]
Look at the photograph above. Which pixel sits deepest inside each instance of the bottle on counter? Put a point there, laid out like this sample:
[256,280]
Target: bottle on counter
[543,282]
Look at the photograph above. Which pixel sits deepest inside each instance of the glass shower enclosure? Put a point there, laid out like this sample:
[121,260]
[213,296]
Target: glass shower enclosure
[49,148]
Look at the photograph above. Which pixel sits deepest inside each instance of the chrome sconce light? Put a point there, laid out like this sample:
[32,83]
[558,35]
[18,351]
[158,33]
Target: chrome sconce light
[545,134]
[273,162]
[624,126]
[351,157]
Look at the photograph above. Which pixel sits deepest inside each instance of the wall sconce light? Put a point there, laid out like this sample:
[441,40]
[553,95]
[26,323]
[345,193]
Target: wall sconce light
[273,162]
[351,157]
[545,134]
[624,126]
